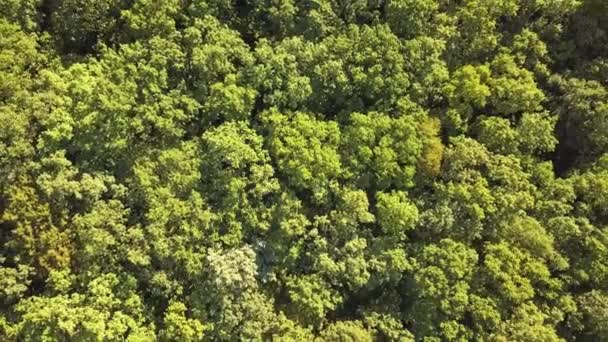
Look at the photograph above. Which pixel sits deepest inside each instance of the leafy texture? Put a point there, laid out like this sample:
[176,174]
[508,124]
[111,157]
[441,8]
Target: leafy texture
[310,170]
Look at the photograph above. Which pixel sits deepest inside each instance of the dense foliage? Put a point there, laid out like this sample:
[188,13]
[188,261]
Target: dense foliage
[329,170]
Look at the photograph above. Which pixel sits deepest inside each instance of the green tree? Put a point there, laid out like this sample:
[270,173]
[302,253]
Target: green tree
[305,150]
[442,284]
[78,27]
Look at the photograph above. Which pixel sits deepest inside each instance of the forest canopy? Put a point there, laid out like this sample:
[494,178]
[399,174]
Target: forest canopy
[310,170]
